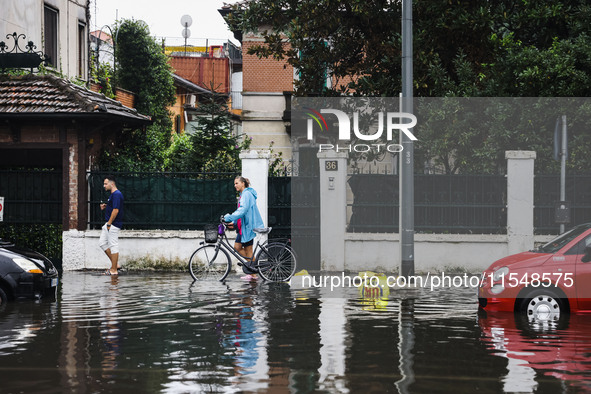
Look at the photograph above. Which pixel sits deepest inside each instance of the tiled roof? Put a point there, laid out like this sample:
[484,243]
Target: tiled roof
[190,86]
[48,95]
[101,35]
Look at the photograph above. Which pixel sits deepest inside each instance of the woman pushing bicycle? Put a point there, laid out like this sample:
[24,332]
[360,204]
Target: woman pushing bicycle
[246,218]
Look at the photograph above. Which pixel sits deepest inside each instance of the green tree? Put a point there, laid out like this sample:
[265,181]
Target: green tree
[211,147]
[214,147]
[142,68]
[483,48]
[177,155]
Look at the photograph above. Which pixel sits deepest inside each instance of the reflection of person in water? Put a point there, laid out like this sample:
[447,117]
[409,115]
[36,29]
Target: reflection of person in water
[110,329]
[245,339]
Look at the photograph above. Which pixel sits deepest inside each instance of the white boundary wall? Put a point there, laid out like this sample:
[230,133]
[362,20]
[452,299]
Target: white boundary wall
[342,251]
[363,251]
[434,252]
[82,251]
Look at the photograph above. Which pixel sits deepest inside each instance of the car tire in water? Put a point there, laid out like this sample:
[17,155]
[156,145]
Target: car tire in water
[543,304]
[207,263]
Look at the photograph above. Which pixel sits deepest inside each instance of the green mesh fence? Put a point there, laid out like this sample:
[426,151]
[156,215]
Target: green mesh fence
[167,201]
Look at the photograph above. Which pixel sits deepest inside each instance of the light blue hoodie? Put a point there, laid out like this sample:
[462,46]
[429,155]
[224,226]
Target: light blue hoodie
[249,213]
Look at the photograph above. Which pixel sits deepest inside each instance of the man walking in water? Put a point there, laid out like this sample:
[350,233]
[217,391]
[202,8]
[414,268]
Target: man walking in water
[109,240]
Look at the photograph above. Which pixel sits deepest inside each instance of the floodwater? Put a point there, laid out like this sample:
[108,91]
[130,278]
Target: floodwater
[160,332]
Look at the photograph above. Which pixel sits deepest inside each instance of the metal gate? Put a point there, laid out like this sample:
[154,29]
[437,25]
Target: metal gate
[294,211]
[32,196]
[32,210]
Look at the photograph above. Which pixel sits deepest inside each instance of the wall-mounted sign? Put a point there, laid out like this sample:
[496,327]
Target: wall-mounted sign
[331,165]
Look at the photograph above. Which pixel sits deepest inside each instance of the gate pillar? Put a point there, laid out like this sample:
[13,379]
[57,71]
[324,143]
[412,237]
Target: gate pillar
[255,167]
[333,210]
[520,200]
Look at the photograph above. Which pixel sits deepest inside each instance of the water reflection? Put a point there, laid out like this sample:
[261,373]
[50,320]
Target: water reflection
[20,324]
[406,341]
[162,333]
[533,348]
[110,329]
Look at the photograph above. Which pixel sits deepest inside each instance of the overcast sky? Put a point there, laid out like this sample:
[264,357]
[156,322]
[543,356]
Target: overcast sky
[164,18]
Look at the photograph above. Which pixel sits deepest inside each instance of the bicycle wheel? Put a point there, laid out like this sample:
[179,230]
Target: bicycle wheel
[207,263]
[276,262]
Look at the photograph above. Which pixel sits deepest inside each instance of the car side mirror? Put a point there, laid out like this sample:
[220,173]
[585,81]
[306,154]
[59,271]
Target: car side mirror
[587,256]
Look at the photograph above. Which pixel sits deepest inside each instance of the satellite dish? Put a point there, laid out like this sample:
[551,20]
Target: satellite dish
[186,33]
[186,21]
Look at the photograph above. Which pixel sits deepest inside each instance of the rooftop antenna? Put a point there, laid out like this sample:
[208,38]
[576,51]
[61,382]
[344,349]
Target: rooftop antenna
[186,21]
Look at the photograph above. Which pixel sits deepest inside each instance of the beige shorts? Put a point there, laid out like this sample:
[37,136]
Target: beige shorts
[109,238]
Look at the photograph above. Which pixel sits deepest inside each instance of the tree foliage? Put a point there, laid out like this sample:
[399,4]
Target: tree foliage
[211,146]
[143,69]
[462,48]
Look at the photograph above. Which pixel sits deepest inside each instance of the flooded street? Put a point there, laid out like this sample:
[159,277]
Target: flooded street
[159,332]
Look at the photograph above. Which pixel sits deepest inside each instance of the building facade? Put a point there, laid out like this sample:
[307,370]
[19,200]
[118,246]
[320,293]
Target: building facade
[59,28]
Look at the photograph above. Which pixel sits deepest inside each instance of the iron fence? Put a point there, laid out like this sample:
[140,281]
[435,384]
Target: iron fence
[165,200]
[547,194]
[33,210]
[279,208]
[32,196]
[443,203]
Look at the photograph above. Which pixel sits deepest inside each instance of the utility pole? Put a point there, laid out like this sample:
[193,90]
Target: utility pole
[560,153]
[406,189]
[563,153]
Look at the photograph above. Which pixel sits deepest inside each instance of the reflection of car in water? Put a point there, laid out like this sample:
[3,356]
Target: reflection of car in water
[548,281]
[20,323]
[559,349]
[25,273]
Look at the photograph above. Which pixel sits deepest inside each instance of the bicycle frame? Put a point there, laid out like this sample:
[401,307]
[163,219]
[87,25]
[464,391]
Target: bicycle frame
[274,260]
[225,243]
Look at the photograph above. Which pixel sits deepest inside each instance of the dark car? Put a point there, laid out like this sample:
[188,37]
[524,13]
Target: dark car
[25,274]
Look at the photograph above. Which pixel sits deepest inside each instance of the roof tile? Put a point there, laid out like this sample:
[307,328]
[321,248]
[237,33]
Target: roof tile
[50,94]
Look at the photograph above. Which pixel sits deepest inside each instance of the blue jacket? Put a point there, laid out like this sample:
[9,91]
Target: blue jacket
[248,212]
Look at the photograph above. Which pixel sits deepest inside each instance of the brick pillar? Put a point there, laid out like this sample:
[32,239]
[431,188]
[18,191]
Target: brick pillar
[73,168]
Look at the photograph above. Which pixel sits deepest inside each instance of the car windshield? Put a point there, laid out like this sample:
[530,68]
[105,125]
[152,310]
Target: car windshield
[559,242]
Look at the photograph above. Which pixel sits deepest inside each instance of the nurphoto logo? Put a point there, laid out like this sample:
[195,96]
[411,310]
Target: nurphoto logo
[393,121]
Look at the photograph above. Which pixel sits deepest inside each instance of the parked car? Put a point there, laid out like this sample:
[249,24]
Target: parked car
[546,282]
[25,273]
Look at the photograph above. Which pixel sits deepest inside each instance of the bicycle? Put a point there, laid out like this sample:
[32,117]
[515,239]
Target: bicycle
[275,261]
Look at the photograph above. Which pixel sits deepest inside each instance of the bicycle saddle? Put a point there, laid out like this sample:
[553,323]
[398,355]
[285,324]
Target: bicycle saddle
[264,230]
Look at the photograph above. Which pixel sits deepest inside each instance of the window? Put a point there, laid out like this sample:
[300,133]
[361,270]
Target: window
[579,248]
[81,49]
[562,240]
[318,76]
[50,35]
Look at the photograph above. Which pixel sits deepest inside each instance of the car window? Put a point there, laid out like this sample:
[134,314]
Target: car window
[579,248]
[562,240]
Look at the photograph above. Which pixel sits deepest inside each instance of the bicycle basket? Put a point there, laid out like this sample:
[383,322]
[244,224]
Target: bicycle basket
[211,233]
